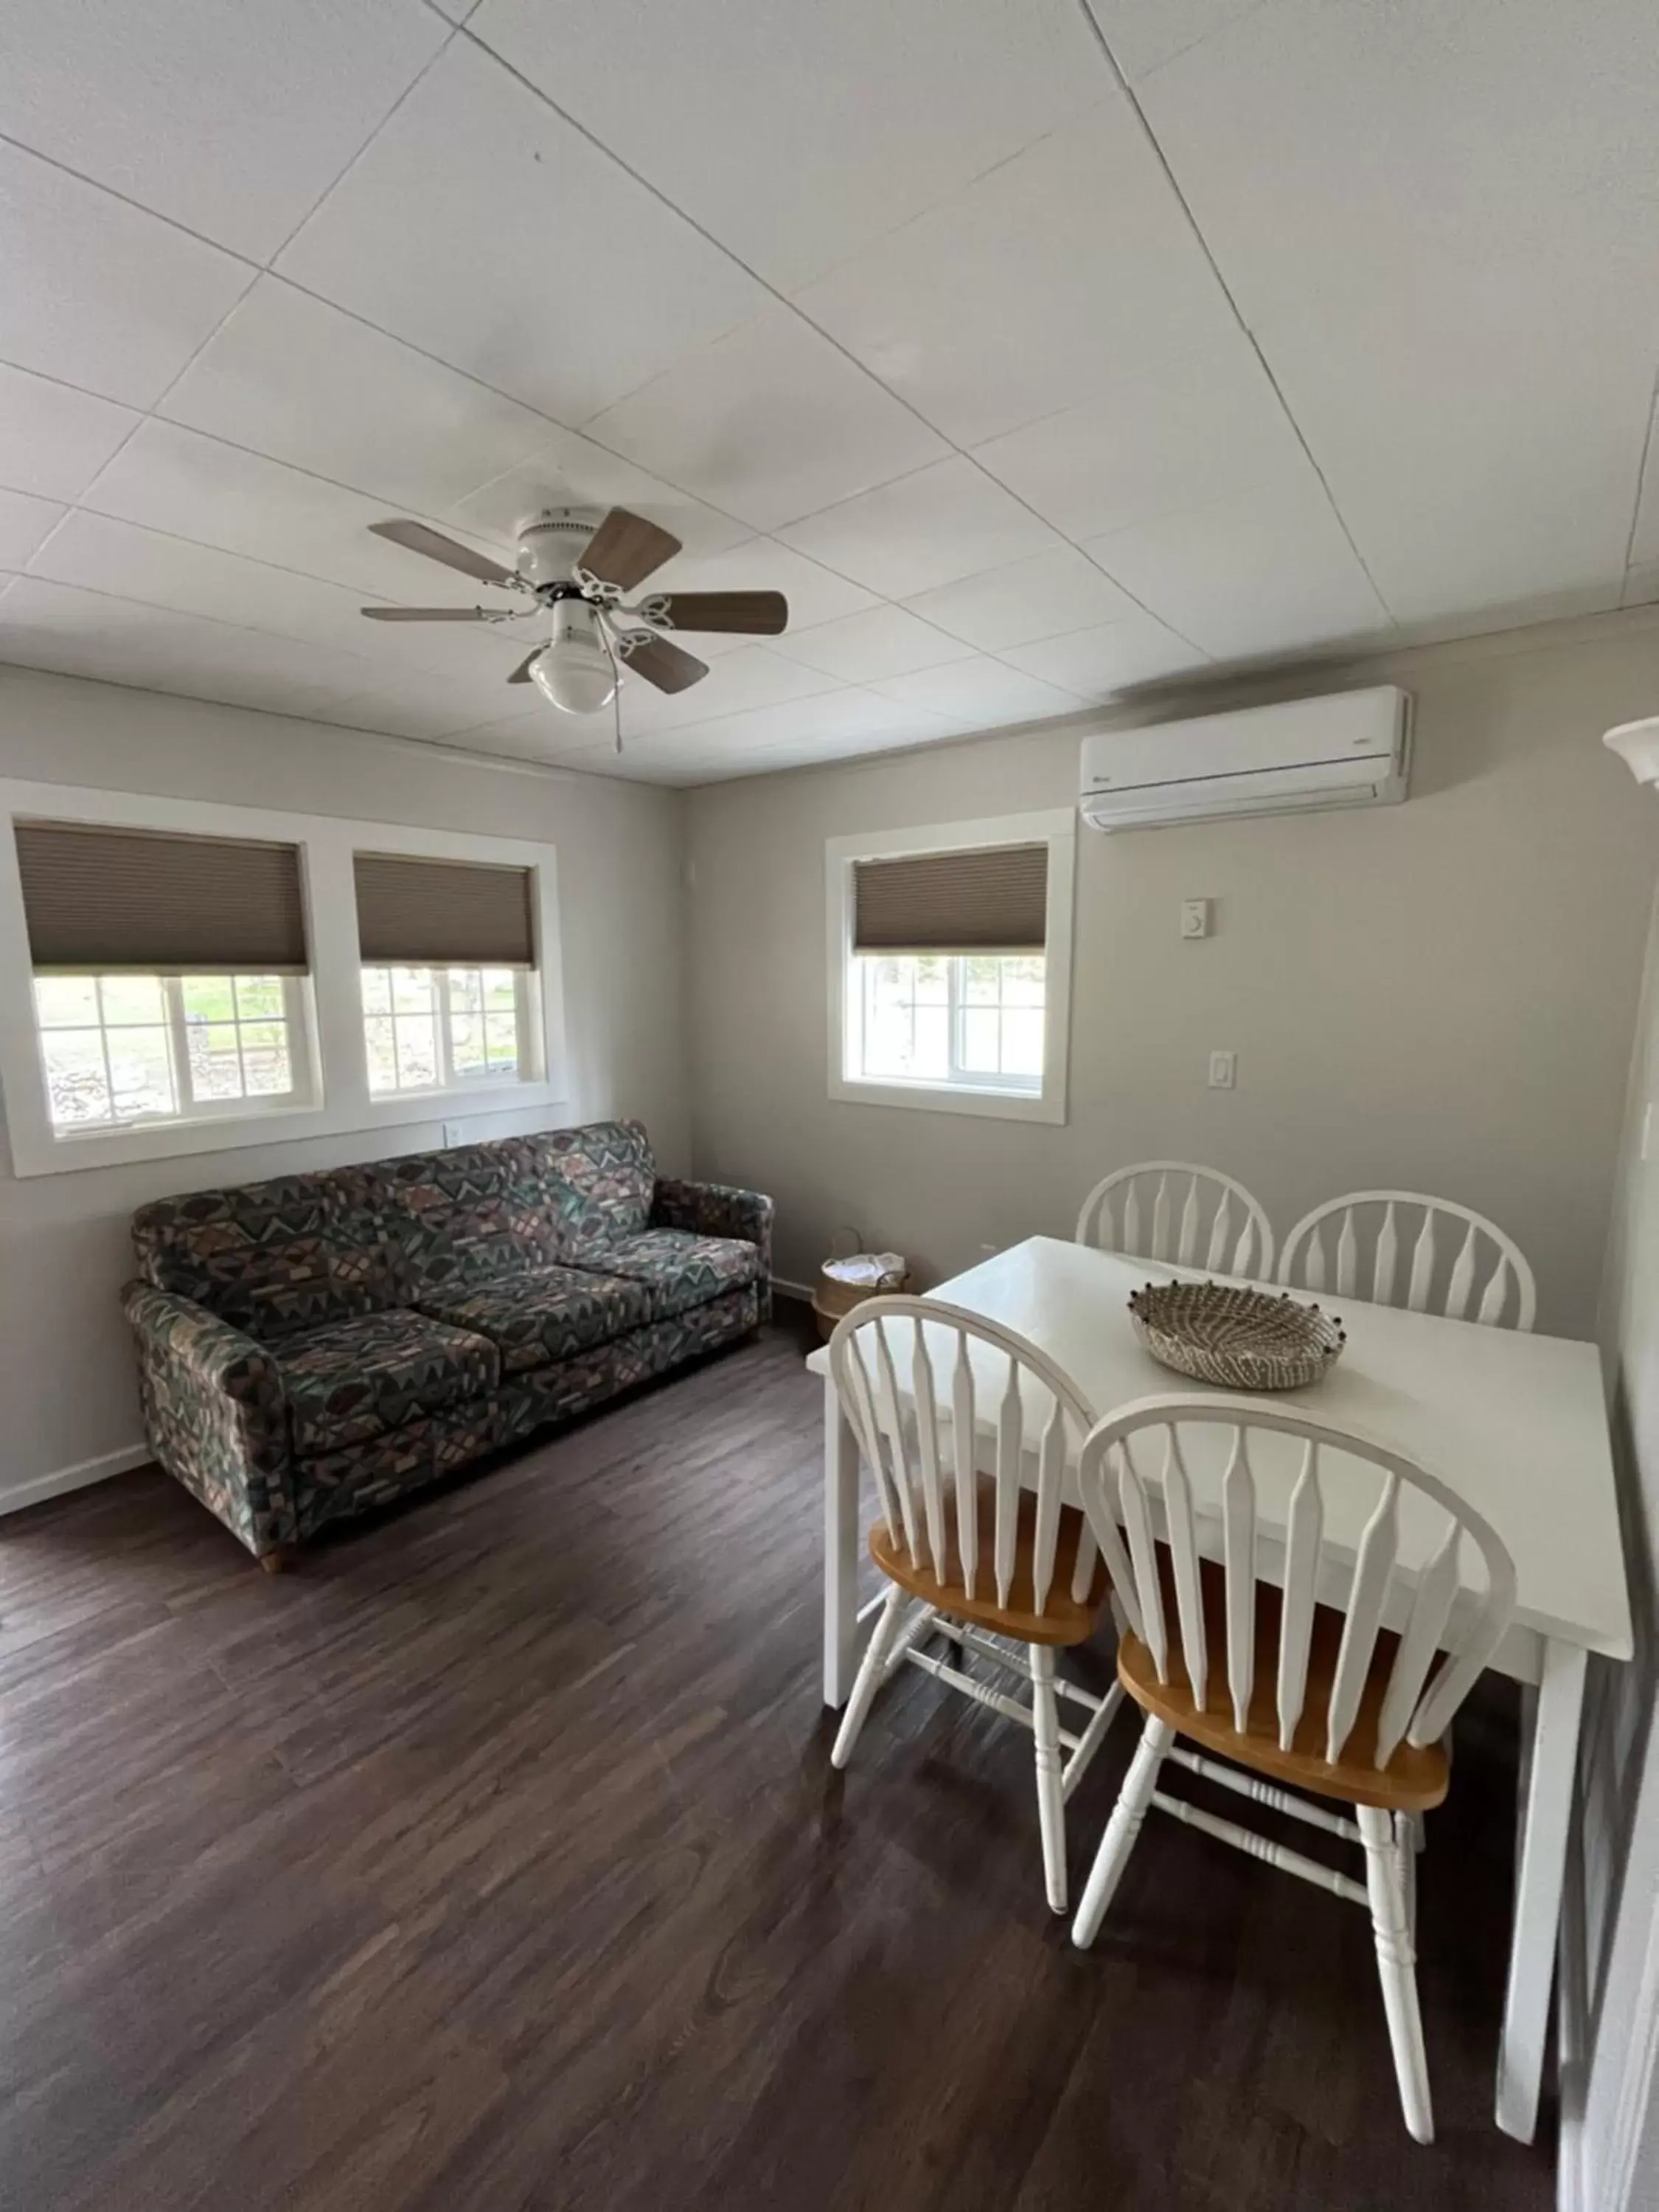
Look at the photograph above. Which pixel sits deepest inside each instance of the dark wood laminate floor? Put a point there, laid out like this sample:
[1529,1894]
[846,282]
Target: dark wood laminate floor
[494,1861]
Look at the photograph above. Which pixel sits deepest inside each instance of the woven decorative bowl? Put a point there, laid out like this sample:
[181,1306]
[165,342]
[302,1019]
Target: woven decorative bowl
[1243,1340]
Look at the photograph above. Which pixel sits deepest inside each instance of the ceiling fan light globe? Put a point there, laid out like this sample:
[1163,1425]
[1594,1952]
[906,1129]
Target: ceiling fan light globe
[574,676]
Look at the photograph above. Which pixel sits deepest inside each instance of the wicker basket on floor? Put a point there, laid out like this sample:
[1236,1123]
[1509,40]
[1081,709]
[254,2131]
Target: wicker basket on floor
[832,1299]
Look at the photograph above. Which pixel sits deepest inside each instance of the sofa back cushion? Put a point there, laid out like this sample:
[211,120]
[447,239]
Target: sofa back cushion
[598,1180]
[275,1257]
[271,1258]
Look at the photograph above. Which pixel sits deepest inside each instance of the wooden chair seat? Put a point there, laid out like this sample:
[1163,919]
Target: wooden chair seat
[1414,1781]
[1062,1620]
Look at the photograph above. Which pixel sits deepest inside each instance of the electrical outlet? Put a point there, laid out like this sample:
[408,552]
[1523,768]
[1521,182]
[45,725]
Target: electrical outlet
[454,1133]
[1223,1070]
[1194,917]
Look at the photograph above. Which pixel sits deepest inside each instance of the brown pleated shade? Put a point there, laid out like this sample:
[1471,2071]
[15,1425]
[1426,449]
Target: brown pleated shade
[443,914]
[108,900]
[994,898]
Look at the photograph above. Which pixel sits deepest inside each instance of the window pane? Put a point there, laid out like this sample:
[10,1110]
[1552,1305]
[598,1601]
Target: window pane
[502,1033]
[382,1053]
[501,988]
[418,1052]
[377,991]
[259,998]
[466,1044]
[1022,1042]
[932,980]
[930,1059]
[980,1028]
[981,982]
[411,990]
[265,1067]
[66,1001]
[466,990]
[216,1065]
[75,1077]
[1021,982]
[131,999]
[209,998]
[141,1066]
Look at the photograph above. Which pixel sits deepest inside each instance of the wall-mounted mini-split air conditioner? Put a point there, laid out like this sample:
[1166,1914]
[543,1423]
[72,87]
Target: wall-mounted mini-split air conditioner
[1350,750]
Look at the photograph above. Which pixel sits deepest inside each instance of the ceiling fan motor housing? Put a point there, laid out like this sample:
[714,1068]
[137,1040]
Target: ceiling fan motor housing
[551,543]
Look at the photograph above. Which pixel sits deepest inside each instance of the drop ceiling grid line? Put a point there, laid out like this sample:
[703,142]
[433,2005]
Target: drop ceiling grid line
[1641,480]
[1151,138]
[783,300]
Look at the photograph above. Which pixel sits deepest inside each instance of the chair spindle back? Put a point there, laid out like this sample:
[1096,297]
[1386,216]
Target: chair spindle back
[1479,1253]
[1195,1216]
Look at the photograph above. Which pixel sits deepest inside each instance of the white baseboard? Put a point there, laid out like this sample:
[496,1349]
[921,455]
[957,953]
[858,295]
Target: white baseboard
[82,1476]
[792,1290]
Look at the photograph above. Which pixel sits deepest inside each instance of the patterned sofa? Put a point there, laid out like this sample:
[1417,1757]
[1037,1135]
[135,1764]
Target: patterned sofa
[312,1347]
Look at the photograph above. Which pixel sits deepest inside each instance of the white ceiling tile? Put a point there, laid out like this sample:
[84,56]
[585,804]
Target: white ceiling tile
[97,293]
[771,423]
[841,715]
[571,471]
[1142,34]
[1110,658]
[931,528]
[76,633]
[482,228]
[980,695]
[1195,429]
[24,522]
[1472,137]
[881,642]
[425,707]
[1028,599]
[1479,621]
[232,120]
[53,438]
[174,479]
[1056,273]
[1264,571]
[292,377]
[797,135]
[105,554]
[735,683]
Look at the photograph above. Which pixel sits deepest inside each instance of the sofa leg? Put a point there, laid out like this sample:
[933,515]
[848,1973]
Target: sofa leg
[274,1562]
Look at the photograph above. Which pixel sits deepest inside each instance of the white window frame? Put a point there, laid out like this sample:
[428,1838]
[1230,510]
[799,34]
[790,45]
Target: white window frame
[463,1086]
[1055,827]
[330,995]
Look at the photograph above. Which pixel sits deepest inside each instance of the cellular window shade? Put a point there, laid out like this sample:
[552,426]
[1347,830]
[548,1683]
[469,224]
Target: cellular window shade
[416,913]
[994,898]
[108,900]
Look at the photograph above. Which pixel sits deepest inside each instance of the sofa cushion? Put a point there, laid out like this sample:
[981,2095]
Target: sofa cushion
[679,1269]
[271,1258]
[355,1379]
[550,1314]
[598,1180]
[471,1214]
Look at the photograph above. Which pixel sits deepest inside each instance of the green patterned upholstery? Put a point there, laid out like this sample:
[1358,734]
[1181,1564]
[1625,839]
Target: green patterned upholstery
[315,1346]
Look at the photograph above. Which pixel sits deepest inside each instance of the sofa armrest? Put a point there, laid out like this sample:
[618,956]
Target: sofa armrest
[214,1414]
[719,1209]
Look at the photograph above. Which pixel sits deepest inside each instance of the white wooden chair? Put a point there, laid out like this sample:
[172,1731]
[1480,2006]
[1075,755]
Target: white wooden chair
[1319,1677]
[1166,1210]
[1477,1252]
[972,1557]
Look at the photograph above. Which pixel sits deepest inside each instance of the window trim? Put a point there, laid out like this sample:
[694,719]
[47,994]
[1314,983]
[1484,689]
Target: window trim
[341,1102]
[1055,827]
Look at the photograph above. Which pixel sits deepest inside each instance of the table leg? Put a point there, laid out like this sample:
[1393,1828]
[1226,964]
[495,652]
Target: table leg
[1547,1770]
[841,1551]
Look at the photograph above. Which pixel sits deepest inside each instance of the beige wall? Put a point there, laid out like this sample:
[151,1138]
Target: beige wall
[65,1368]
[1435,996]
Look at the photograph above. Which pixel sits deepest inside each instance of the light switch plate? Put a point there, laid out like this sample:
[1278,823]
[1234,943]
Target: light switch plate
[1194,917]
[1224,1069]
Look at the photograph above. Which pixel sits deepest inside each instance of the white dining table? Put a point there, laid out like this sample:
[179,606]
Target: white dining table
[1517,1423]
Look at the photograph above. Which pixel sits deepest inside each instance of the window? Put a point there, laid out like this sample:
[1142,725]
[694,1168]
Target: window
[949,967]
[439,1029]
[121,1050]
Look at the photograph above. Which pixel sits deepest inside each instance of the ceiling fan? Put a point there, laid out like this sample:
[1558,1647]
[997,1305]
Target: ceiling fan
[576,565]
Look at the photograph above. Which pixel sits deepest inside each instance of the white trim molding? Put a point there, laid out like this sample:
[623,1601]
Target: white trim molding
[1056,827]
[82,1476]
[341,1100]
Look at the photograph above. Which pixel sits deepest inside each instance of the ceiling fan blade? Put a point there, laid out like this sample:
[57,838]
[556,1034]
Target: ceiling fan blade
[428,614]
[626,549]
[521,673]
[763,614]
[415,538]
[659,662]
